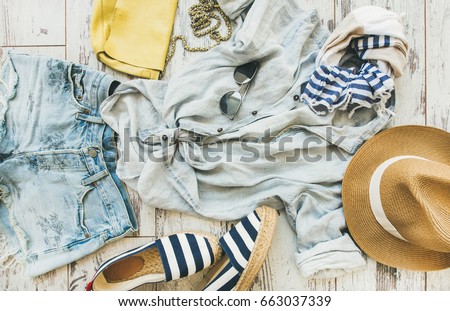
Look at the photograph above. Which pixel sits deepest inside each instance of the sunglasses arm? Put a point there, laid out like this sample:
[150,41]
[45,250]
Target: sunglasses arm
[244,89]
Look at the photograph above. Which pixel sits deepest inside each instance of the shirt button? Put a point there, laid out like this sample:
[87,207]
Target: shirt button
[296,97]
[164,137]
[92,153]
[254,113]
[219,129]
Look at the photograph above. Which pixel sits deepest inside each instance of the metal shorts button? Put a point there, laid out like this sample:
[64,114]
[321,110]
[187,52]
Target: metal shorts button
[79,97]
[87,235]
[93,153]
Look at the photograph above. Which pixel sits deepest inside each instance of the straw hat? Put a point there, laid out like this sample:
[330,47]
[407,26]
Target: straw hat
[396,197]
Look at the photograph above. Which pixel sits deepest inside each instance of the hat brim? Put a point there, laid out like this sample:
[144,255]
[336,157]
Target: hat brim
[421,141]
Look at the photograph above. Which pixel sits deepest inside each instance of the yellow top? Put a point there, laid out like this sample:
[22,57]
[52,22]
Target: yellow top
[133,36]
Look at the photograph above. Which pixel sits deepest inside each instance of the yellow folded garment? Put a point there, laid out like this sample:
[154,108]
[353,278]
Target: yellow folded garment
[133,36]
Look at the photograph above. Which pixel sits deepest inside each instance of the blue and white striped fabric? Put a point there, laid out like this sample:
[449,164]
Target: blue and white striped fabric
[181,255]
[365,43]
[367,47]
[238,245]
[184,254]
[335,87]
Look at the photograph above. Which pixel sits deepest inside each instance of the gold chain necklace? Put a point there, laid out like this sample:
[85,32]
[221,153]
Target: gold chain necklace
[201,15]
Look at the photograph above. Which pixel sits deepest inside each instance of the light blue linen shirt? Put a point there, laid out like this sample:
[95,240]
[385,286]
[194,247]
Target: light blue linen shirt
[180,152]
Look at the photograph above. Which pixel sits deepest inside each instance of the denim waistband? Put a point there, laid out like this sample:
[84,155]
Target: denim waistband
[95,82]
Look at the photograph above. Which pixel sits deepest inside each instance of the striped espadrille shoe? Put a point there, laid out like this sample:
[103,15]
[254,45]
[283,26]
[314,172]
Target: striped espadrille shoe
[245,248]
[166,259]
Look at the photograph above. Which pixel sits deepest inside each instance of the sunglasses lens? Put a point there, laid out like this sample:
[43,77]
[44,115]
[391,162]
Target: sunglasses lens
[230,102]
[245,73]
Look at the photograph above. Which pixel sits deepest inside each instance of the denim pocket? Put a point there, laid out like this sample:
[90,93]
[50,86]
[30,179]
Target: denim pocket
[81,208]
[50,206]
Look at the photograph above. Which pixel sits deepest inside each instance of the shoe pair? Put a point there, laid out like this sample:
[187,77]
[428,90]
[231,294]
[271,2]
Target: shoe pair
[172,257]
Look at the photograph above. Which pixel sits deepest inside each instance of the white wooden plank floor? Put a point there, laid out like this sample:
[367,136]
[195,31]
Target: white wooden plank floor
[60,29]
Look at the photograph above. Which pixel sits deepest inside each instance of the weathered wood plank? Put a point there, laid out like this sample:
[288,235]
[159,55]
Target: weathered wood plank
[439,280]
[57,52]
[389,278]
[410,109]
[438,63]
[364,279]
[438,91]
[78,46]
[169,222]
[35,22]
[14,279]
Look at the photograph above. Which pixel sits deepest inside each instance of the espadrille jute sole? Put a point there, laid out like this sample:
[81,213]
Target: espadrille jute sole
[260,250]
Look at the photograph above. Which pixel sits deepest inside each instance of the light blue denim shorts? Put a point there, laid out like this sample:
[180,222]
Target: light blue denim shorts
[60,197]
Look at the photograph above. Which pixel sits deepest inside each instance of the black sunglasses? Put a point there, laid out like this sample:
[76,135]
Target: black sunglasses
[231,101]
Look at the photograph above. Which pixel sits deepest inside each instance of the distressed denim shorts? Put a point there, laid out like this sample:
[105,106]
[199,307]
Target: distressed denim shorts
[60,197]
